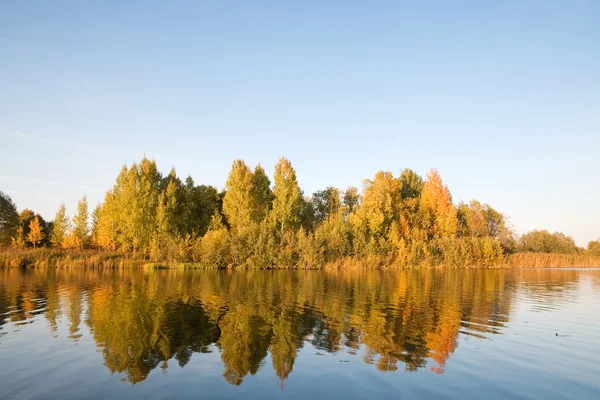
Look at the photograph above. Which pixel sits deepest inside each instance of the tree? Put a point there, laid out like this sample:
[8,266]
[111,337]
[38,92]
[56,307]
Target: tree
[594,247]
[473,219]
[546,242]
[263,196]
[18,240]
[380,205]
[436,203]
[287,203]
[326,203]
[239,204]
[61,227]
[206,203]
[412,184]
[108,218]
[81,229]
[36,233]
[351,199]
[26,217]
[9,219]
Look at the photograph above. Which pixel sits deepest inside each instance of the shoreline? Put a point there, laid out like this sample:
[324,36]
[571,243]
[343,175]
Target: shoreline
[52,258]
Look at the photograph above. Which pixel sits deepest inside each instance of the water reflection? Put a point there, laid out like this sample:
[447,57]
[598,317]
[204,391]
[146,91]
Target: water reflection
[143,320]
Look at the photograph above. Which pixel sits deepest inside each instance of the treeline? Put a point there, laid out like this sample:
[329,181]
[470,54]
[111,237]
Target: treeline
[402,220]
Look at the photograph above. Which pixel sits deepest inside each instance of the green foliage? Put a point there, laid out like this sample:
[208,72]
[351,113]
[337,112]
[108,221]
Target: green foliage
[262,194]
[546,242]
[61,228]
[81,228]
[326,203]
[9,219]
[412,184]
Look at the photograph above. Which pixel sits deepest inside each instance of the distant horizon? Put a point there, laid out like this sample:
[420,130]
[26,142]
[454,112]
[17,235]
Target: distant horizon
[502,99]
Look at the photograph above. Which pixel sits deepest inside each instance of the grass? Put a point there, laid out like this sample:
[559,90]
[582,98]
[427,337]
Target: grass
[54,258]
[57,258]
[545,260]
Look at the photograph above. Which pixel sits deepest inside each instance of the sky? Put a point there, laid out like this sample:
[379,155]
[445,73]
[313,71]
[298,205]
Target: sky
[503,98]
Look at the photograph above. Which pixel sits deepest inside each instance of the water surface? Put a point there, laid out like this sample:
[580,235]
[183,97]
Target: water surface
[456,334]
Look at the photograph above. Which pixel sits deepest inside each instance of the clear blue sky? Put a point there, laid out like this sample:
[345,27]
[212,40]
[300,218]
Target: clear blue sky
[502,97]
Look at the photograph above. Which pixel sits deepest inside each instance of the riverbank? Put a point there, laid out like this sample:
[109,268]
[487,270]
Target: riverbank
[54,258]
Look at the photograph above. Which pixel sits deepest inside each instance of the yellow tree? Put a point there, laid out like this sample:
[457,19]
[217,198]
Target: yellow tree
[239,202]
[36,233]
[436,204]
[377,215]
[288,196]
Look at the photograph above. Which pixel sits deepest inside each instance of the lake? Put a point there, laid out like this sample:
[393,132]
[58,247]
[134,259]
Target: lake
[443,334]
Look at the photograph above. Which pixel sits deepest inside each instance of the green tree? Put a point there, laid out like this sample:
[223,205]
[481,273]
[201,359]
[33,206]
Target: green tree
[412,184]
[61,227]
[81,229]
[326,203]
[546,242]
[263,196]
[351,199]
[9,219]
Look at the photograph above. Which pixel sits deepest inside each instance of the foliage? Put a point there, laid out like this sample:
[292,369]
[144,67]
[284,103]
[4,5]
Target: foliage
[594,247]
[36,233]
[9,219]
[546,242]
[401,221]
[61,228]
[81,230]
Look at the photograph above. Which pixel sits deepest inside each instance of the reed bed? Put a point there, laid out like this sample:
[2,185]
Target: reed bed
[551,260]
[55,258]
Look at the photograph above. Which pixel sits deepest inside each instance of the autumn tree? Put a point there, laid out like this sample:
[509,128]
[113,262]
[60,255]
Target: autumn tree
[26,216]
[81,229]
[436,204]
[61,227]
[239,204]
[594,247]
[36,233]
[287,201]
[379,208]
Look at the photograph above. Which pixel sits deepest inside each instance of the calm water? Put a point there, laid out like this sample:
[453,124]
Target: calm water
[167,334]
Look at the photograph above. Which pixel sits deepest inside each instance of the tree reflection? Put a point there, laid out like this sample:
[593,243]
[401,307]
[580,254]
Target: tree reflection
[142,320]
